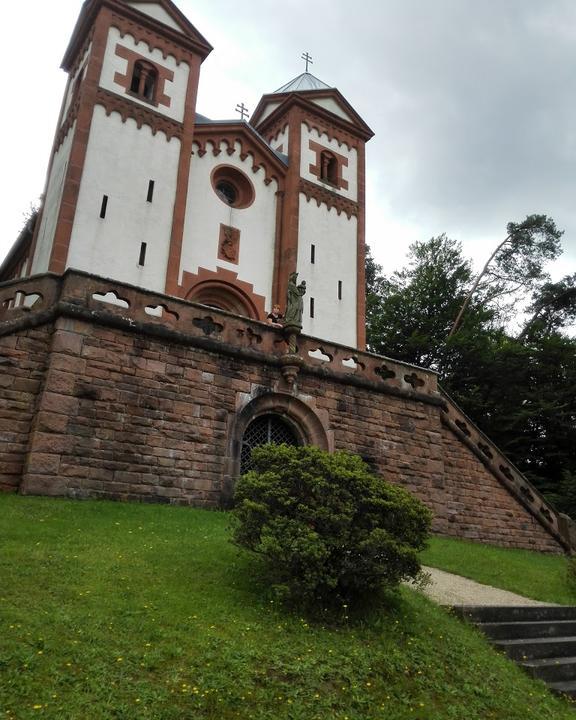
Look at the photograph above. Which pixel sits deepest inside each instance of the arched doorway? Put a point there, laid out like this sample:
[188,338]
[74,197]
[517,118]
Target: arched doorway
[265,429]
[277,416]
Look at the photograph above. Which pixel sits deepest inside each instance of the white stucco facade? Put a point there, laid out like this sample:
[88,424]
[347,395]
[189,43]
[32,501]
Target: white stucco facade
[51,205]
[157,12]
[331,105]
[205,211]
[335,241]
[269,109]
[309,157]
[73,80]
[142,210]
[175,90]
[121,160]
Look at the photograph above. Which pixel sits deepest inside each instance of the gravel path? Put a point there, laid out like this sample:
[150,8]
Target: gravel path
[449,589]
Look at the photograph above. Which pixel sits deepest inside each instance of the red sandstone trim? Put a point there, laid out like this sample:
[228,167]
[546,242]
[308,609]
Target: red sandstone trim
[287,256]
[162,74]
[67,210]
[143,28]
[244,187]
[126,108]
[61,133]
[223,289]
[229,244]
[329,198]
[213,135]
[276,130]
[354,129]
[316,169]
[183,178]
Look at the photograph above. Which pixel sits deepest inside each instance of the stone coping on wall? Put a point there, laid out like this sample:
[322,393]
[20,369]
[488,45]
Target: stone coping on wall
[561,526]
[40,299]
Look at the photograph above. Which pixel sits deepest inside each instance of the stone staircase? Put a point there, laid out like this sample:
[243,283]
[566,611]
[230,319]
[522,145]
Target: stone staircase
[540,638]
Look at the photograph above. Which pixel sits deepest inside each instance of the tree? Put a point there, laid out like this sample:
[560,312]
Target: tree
[410,313]
[519,390]
[553,307]
[518,261]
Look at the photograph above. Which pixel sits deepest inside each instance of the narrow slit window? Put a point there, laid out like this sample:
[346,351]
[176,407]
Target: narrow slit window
[103,206]
[150,194]
[339,289]
[312,254]
[142,258]
[311,307]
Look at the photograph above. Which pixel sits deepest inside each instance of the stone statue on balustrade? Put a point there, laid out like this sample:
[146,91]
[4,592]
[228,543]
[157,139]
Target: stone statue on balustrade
[294,303]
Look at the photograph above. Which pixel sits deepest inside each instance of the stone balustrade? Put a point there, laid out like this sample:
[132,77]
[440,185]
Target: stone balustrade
[77,293]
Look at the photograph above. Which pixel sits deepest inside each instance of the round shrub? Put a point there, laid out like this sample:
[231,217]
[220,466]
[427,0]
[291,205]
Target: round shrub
[331,533]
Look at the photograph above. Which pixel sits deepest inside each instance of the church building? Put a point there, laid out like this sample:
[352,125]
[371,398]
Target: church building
[143,189]
[136,362]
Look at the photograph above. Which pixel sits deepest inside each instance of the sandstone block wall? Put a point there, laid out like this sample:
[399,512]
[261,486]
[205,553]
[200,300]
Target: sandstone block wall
[98,400]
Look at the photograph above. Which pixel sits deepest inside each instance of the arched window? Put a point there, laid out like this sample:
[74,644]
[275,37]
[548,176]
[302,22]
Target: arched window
[328,168]
[144,80]
[223,296]
[261,431]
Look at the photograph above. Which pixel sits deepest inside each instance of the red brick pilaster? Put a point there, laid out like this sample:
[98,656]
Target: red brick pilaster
[286,258]
[73,177]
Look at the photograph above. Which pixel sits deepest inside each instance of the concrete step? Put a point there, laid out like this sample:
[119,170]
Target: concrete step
[537,648]
[512,630]
[558,669]
[506,613]
[564,688]
[540,638]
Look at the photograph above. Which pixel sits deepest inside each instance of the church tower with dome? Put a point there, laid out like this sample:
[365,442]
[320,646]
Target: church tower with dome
[143,189]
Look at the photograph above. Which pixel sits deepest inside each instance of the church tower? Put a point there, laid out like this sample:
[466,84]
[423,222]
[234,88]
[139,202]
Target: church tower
[144,190]
[115,197]
[323,215]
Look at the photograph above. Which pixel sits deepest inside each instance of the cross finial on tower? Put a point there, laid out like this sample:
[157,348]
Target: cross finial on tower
[307,59]
[244,112]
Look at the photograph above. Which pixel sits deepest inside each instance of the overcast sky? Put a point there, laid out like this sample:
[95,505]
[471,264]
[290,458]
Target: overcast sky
[473,104]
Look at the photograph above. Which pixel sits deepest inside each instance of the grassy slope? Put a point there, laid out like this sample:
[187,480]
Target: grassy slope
[535,575]
[133,611]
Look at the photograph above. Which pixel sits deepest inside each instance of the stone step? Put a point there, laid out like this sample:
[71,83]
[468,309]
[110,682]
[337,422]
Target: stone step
[555,669]
[506,613]
[512,630]
[537,648]
[564,688]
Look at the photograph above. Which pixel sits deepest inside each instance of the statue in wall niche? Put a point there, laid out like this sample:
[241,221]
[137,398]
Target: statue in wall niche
[294,301]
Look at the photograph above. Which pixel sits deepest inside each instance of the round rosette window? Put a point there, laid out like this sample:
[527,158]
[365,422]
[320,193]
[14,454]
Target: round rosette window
[232,186]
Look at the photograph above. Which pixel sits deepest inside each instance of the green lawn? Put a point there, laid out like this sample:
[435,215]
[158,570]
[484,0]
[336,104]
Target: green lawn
[111,610]
[535,575]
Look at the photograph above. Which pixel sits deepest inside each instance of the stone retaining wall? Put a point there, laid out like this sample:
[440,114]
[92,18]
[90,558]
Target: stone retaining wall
[110,401]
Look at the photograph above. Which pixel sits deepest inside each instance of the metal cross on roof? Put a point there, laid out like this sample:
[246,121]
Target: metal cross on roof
[307,59]
[244,112]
